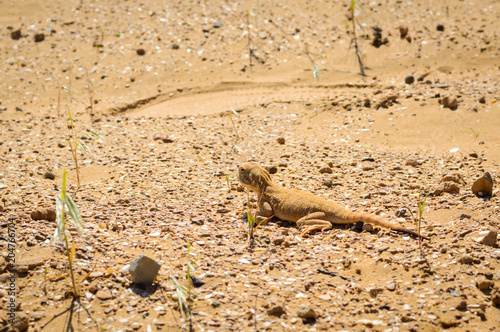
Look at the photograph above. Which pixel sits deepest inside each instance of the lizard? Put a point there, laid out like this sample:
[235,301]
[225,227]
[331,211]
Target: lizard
[310,212]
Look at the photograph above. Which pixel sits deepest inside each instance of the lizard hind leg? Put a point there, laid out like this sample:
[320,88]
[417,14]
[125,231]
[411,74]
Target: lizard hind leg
[312,225]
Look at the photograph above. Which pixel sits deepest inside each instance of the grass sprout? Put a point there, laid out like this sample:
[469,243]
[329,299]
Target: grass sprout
[67,209]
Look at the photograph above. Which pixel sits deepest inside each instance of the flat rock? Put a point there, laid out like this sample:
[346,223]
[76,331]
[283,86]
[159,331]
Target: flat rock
[143,270]
[495,297]
[453,177]
[103,295]
[307,313]
[25,264]
[488,238]
[483,186]
[43,213]
[484,284]
[447,187]
[276,311]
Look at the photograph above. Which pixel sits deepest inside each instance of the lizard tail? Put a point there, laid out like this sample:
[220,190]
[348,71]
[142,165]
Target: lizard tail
[372,219]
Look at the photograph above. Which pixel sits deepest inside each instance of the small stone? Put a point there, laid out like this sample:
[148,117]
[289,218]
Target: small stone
[382,249]
[447,187]
[325,169]
[276,311]
[44,214]
[140,51]
[401,213]
[440,27]
[307,314]
[482,100]
[483,186]
[495,297]
[39,37]
[218,25]
[16,34]
[21,322]
[453,177]
[412,162]
[449,102]
[49,175]
[272,169]
[25,264]
[409,79]
[488,238]
[466,259]
[280,140]
[143,270]
[103,295]
[474,155]
[175,47]
[368,227]
[484,284]
[279,240]
[391,286]
[403,32]
[461,305]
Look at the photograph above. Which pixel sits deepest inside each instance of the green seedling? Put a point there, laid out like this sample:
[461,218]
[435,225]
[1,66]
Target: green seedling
[252,222]
[227,181]
[67,209]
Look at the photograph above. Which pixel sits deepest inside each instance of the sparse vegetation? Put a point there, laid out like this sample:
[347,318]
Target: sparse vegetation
[75,143]
[67,209]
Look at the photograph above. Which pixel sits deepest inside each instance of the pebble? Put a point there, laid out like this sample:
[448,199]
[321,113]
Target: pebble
[21,322]
[453,177]
[325,169]
[409,79]
[280,140]
[39,37]
[447,187]
[49,175]
[484,284]
[466,259]
[411,162]
[449,102]
[368,227]
[25,264]
[175,47]
[488,238]
[403,31]
[482,100]
[483,187]
[16,34]
[103,295]
[440,27]
[140,51]
[495,297]
[277,310]
[307,313]
[218,25]
[461,305]
[143,270]
[391,286]
[42,213]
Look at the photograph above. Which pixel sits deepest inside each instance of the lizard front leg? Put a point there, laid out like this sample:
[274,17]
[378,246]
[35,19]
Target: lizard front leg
[315,221]
[265,212]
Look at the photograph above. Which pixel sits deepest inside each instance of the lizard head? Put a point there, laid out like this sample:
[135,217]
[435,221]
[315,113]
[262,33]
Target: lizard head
[254,177]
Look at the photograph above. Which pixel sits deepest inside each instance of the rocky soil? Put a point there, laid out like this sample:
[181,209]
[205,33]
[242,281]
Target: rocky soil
[157,81]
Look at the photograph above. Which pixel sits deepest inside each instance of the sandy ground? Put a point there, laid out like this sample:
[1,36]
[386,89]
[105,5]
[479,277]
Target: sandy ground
[157,80]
